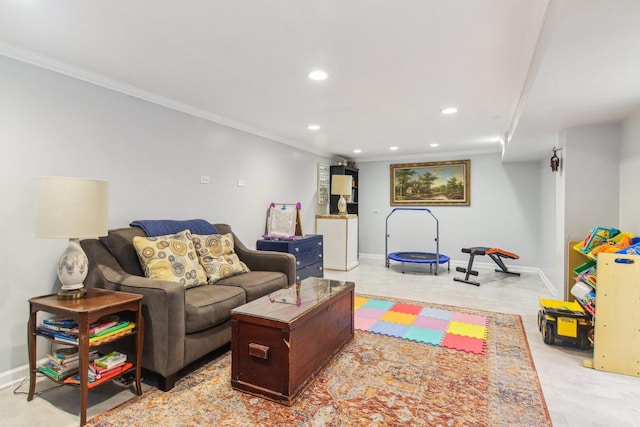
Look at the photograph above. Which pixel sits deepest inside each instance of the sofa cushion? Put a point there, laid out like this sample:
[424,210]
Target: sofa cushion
[257,283]
[214,244]
[172,257]
[210,305]
[120,244]
[216,254]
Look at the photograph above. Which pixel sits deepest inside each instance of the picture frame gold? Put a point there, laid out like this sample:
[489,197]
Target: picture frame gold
[444,183]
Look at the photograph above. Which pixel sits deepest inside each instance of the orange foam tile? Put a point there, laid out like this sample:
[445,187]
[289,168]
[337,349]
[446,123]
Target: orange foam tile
[401,318]
[359,302]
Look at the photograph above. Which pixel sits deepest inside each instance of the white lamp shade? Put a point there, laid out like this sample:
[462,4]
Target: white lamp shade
[341,185]
[71,207]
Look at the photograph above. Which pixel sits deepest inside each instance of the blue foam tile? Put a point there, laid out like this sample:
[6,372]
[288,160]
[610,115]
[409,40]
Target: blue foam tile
[390,329]
[437,313]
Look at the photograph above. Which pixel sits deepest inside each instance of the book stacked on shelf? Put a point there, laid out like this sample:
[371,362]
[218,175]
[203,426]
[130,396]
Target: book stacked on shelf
[66,330]
[104,368]
[56,325]
[63,363]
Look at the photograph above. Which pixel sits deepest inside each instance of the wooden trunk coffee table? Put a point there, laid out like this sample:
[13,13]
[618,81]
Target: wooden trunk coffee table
[281,342]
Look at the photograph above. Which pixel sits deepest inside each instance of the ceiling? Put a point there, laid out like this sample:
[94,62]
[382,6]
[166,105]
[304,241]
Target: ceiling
[520,69]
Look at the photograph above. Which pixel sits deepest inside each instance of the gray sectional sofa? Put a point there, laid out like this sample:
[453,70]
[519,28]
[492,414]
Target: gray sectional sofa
[182,325]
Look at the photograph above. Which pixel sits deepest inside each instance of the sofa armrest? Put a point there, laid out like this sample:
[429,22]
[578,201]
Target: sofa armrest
[266,260]
[163,307]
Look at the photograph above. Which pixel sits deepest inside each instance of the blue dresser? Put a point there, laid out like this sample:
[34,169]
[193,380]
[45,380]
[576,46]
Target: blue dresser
[307,250]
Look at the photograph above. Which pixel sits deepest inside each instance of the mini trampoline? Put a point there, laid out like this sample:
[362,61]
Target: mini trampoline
[414,257]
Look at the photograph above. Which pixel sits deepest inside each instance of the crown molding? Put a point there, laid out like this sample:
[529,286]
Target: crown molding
[60,67]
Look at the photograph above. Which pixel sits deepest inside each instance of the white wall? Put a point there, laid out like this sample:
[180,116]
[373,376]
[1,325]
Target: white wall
[589,186]
[503,213]
[629,169]
[153,158]
[591,168]
[549,256]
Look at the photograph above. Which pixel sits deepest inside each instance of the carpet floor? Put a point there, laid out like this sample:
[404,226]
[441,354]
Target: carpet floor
[376,380]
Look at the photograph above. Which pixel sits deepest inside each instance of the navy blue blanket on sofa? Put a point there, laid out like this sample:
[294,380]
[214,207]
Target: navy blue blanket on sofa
[162,227]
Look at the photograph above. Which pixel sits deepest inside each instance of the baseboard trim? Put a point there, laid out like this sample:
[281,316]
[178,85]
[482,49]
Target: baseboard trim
[16,375]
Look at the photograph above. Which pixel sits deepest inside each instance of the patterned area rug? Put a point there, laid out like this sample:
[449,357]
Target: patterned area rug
[429,325]
[376,380]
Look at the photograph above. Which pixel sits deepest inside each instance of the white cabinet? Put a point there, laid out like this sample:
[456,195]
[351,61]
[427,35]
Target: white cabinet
[340,235]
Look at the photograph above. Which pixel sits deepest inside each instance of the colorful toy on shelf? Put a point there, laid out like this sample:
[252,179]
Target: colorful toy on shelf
[587,272]
[586,296]
[632,249]
[620,241]
[596,237]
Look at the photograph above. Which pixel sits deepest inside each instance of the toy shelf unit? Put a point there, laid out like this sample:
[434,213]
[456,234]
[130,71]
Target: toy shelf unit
[604,282]
[617,324]
[352,200]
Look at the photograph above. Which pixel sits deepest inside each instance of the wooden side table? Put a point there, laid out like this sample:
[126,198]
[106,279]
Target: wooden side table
[85,311]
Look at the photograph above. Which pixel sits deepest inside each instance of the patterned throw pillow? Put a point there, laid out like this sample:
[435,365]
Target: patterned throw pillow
[215,252]
[171,258]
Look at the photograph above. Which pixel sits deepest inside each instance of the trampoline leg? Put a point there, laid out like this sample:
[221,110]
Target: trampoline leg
[402,267]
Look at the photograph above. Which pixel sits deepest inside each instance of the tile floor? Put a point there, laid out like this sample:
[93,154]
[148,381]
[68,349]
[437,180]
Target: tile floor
[575,395]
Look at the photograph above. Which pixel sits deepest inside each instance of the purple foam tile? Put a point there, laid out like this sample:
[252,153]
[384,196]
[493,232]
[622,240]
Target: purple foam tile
[363,323]
[436,313]
[472,319]
[431,323]
[390,329]
[427,336]
[371,313]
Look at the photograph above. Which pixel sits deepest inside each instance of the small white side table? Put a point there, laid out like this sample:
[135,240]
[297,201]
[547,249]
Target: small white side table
[340,240]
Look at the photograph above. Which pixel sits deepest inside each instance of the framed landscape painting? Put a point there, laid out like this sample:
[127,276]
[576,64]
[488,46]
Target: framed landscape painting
[431,184]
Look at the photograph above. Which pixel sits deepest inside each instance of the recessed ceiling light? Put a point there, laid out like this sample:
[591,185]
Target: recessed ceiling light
[357,151]
[313,127]
[318,75]
[393,148]
[435,144]
[449,110]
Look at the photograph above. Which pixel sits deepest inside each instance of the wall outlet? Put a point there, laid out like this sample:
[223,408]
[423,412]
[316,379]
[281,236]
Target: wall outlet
[204,179]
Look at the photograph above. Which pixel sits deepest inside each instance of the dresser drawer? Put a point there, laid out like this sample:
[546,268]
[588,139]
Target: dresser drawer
[305,245]
[313,270]
[306,258]
[308,252]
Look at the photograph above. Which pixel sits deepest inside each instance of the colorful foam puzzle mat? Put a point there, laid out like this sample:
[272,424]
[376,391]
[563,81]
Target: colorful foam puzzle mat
[434,326]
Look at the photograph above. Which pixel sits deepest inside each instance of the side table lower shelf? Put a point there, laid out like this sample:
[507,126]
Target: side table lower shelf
[126,368]
[85,311]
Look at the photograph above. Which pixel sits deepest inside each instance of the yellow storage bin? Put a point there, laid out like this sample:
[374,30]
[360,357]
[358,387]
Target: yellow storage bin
[564,321]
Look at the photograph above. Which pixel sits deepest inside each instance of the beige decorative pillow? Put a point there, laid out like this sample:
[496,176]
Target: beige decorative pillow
[215,252]
[171,258]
